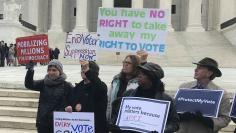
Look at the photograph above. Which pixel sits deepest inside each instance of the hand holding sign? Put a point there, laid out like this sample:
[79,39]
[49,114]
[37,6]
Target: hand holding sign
[78,107]
[205,120]
[143,55]
[68,109]
[187,116]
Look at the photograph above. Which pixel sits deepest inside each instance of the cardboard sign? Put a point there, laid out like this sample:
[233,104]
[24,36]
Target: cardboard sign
[131,30]
[75,122]
[143,114]
[204,100]
[33,48]
[81,46]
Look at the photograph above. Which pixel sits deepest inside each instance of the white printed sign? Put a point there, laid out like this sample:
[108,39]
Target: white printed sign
[131,30]
[81,46]
[143,114]
[75,122]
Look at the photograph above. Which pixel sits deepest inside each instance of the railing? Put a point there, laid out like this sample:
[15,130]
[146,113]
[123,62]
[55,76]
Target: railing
[228,23]
[27,24]
[1,16]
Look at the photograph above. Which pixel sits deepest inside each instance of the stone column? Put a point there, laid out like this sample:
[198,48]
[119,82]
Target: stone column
[81,16]
[33,8]
[166,4]
[212,12]
[56,22]
[137,3]
[43,16]
[194,16]
[107,3]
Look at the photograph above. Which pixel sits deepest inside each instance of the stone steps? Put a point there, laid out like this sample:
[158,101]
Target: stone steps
[18,93]
[18,108]
[18,102]
[17,122]
[18,111]
[11,130]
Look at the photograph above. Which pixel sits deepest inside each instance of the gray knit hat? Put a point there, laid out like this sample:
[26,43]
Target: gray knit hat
[57,64]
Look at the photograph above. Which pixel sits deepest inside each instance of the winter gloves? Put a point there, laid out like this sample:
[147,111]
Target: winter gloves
[187,116]
[30,66]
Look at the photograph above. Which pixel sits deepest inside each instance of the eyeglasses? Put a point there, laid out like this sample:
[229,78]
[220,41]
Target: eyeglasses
[126,62]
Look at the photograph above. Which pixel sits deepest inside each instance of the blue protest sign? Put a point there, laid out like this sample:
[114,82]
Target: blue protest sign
[203,100]
[143,114]
[233,108]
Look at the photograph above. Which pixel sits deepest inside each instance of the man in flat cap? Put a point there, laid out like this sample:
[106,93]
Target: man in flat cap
[205,72]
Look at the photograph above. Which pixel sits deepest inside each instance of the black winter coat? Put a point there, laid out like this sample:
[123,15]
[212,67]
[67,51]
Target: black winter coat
[93,98]
[52,98]
[172,124]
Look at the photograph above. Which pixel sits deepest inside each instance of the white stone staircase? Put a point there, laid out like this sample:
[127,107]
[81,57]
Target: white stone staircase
[18,110]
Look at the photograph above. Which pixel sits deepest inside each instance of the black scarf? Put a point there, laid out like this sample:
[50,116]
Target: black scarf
[50,81]
[146,93]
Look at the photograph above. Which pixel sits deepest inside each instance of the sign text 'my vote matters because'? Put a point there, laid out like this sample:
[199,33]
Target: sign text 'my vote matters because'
[141,114]
[122,29]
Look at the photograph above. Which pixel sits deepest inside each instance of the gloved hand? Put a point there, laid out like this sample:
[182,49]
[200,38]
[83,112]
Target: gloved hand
[30,65]
[204,120]
[114,128]
[187,116]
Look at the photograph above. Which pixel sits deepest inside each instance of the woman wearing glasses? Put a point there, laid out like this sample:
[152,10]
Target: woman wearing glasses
[126,79]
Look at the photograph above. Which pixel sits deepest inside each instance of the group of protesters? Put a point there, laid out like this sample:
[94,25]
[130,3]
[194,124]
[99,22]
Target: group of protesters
[8,54]
[138,78]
